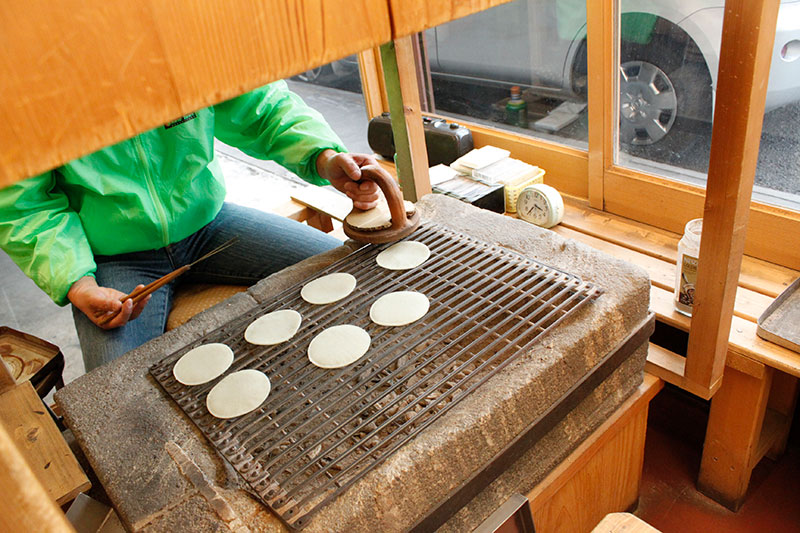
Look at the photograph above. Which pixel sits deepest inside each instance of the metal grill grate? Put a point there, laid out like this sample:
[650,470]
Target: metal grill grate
[321,430]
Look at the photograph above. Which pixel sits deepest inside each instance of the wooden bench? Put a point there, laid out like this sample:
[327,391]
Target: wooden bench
[752,411]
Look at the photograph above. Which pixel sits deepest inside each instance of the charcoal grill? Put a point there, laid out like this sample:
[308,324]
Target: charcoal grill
[320,431]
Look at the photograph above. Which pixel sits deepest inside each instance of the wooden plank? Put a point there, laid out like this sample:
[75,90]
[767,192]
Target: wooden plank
[402,90]
[25,505]
[412,16]
[623,523]
[602,62]
[83,74]
[744,341]
[732,436]
[670,204]
[372,87]
[757,275]
[334,205]
[601,475]
[783,400]
[748,30]
[670,367]
[747,361]
[749,304]
[40,442]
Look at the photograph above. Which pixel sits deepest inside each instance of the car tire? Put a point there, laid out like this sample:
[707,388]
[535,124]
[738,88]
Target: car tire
[662,92]
[315,75]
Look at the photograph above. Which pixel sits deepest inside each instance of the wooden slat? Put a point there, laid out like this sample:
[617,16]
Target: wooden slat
[783,400]
[372,87]
[412,16]
[670,204]
[38,439]
[757,275]
[82,74]
[603,59]
[747,352]
[732,437]
[670,367]
[615,450]
[402,91]
[749,305]
[748,30]
[25,505]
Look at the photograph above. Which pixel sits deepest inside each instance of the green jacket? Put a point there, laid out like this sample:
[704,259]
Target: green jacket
[152,190]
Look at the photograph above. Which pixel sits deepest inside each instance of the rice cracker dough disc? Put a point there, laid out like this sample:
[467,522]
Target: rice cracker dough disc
[399,308]
[338,346]
[202,364]
[328,289]
[238,394]
[376,218]
[404,255]
[273,328]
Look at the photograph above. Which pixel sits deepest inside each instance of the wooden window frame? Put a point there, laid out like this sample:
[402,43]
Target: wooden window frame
[593,175]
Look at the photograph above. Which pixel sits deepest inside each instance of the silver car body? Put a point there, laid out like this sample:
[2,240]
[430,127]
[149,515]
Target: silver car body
[521,43]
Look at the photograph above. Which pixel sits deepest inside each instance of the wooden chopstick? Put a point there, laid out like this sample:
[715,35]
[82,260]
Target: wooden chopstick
[139,294]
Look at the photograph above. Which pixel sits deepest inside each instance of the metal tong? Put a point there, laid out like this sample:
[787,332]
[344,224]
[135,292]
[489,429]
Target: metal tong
[141,293]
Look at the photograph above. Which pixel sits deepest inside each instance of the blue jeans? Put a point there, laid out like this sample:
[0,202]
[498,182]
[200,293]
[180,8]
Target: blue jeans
[267,243]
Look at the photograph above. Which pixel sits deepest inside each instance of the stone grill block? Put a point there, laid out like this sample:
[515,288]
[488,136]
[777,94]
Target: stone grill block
[320,431]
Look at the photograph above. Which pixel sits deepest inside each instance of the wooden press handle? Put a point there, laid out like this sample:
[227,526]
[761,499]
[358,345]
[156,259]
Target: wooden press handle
[394,196]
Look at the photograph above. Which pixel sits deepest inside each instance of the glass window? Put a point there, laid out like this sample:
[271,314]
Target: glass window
[520,66]
[669,54]
[778,172]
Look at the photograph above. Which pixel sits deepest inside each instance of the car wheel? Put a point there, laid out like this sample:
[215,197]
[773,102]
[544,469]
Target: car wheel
[665,87]
[648,103]
[314,75]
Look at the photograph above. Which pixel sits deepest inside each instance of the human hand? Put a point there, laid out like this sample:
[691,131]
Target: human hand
[98,302]
[343,170]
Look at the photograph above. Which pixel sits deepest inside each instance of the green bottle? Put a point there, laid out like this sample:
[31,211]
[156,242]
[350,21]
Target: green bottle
[517,109]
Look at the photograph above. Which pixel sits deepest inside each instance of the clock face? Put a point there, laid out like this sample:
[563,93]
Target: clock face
[534,207]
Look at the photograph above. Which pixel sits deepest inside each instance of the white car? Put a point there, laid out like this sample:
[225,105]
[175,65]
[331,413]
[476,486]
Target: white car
[669,56]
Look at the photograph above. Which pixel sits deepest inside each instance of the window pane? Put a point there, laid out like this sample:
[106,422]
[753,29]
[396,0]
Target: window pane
[537,46]
[778,171]
[669,53]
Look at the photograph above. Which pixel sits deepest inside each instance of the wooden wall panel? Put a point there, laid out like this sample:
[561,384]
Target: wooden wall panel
[82,74]
[411,16]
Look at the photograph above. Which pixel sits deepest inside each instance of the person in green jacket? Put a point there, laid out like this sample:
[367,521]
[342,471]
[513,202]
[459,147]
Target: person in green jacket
[92,230]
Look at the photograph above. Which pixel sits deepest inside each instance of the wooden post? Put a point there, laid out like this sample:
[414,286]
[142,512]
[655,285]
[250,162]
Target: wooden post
[409,137]
[732,436]
[748,34]
[369,67]
[603,65]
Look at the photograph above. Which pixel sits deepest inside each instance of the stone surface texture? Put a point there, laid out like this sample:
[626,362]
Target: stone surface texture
[123,420]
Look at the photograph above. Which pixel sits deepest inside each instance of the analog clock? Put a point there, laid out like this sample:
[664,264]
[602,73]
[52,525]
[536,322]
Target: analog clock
[540,204]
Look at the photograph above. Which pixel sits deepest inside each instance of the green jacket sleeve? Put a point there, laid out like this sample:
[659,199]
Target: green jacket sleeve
[44,236]
[274,123]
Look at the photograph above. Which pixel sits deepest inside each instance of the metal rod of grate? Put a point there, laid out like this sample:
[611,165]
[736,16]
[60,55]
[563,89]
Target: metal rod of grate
[320,431]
